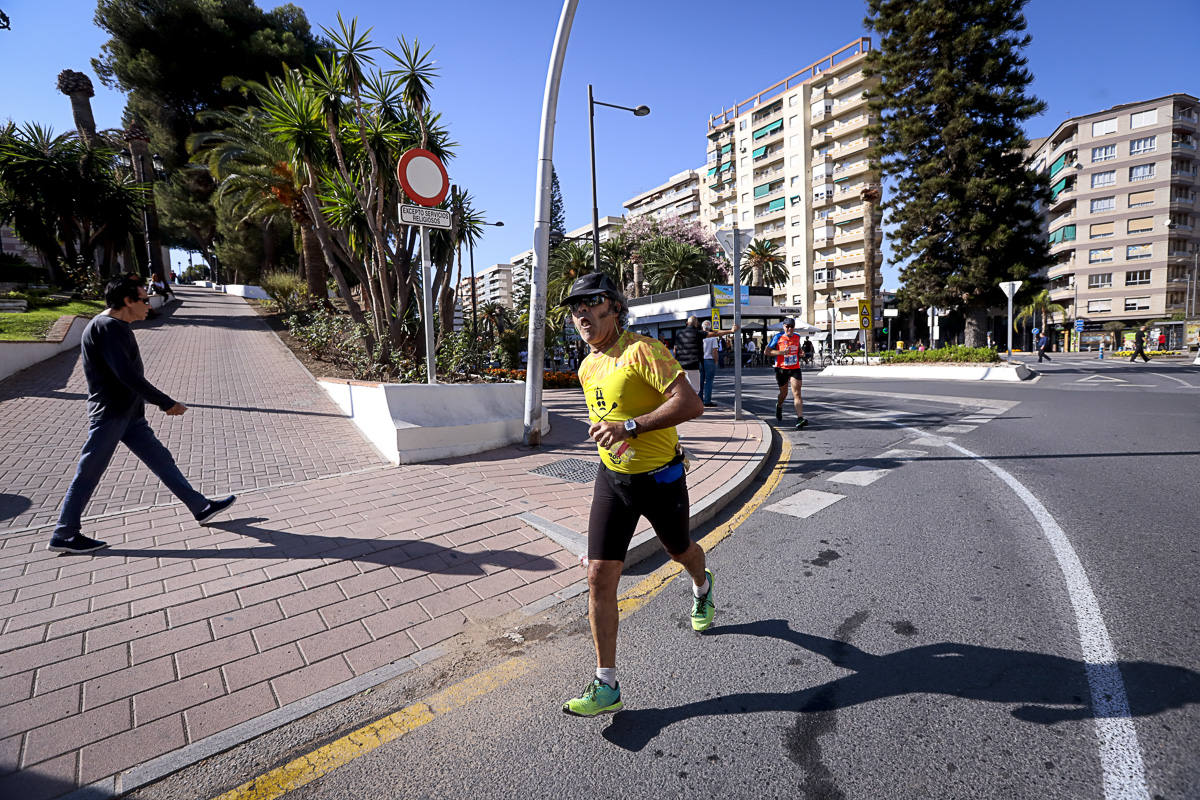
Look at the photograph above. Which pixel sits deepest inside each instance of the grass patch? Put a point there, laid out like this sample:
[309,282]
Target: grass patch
[35,323]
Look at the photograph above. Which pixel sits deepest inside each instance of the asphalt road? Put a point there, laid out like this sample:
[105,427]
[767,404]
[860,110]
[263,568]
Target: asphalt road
[897,619]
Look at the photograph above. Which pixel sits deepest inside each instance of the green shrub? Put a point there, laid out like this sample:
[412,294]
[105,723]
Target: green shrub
[287,291]
[956,354]
[462,354]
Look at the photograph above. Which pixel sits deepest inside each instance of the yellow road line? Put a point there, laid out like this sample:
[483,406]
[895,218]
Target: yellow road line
[311,766]
[323,760]
[637,596]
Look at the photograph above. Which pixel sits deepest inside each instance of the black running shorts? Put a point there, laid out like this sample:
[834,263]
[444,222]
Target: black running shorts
[619,500]
[782,376]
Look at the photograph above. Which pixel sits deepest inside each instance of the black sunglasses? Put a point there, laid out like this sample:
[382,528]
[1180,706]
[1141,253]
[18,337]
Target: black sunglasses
[591,301]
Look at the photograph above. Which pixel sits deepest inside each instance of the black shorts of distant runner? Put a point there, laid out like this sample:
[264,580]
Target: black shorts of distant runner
[782,376]
[619,500]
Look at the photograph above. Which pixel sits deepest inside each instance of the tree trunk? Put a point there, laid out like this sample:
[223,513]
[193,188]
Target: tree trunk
[870,197]
[637,279]
[975,327]
[314,264]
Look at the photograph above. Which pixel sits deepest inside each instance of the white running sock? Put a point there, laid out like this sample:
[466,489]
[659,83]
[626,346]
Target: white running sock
[607,675]
[700,591]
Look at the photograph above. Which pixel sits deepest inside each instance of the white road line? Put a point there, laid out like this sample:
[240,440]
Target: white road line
[860,475]
[1177,380]
[1120,752]
[805,503]
[956,429]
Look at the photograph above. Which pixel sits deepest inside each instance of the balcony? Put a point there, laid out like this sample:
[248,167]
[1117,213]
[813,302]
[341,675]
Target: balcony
[1185,119]
[821,111]
[1066,136]
[851,125]
[822,173]
[855,146]
[823,236]
[843,171]
[821,138]
[765,230]
[844,237]
[768,155]
[846,214]
[766,173]
[769,211]
[844,280]
[848,81]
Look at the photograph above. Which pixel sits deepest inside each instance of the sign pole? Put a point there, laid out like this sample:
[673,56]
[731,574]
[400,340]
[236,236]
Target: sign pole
[737,323]
[1010,288]
[427,308]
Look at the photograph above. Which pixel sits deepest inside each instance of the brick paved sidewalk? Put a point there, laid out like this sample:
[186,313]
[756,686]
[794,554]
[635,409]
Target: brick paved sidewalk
[179,641]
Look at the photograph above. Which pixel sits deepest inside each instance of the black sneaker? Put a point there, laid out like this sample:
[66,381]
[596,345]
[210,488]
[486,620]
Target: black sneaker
[213,508]
[76,544]
[801,423]
[779,412]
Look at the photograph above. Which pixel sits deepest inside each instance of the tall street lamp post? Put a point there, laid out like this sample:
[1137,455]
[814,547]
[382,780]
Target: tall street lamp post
[474,305]
[135,158]
[640,111]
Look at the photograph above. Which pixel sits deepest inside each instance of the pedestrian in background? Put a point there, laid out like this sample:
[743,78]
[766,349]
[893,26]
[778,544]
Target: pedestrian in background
[1042,341]
[1139,346]
[689,350]
[117,395]
[636,394]
[708,364]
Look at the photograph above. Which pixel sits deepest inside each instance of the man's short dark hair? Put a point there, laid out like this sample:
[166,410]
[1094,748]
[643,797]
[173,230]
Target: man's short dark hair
[119,290]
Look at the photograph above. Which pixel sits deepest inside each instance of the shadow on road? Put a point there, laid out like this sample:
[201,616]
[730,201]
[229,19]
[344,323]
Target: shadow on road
[281,546]
[1048,689]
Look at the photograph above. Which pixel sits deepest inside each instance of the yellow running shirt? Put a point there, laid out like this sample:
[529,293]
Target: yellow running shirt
[625,381]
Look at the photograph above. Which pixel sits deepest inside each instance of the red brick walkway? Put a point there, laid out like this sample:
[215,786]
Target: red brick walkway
[176,635]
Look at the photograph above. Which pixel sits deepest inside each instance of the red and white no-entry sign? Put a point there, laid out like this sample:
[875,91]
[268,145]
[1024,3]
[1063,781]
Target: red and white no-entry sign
[423,177]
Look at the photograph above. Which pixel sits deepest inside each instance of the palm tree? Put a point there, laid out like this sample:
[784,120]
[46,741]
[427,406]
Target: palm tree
[495,320]
[1039,303]
[672,264]
[65,199]
[256,172]
[767,264]
[616,262]
[570,261]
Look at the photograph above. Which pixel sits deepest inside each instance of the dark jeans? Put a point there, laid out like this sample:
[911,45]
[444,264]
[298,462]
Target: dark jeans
[103,436]
[708,371]
[1139,350]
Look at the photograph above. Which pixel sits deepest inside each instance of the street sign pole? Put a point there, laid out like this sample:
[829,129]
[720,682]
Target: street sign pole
[427,308]
[730,241]
[1010,288]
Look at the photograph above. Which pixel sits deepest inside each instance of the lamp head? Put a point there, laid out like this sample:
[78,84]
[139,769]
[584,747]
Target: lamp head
[641,111]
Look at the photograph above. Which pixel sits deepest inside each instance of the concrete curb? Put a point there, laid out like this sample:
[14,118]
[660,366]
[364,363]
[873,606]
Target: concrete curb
[169,763]
[933,372]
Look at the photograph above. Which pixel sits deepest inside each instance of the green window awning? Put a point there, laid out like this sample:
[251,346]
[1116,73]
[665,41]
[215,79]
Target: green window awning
[767,130]
[775,205]
[712,171]
[1057,189]
[1058,164]
[728,165]
[715,186]
[1064,234]
[726,148]
[795,199]
[759,151]
[759,191]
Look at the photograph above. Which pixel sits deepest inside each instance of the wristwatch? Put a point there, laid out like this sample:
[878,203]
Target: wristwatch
[631,428]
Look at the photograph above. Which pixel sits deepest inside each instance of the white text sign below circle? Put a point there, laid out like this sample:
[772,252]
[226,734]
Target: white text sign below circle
[423,177]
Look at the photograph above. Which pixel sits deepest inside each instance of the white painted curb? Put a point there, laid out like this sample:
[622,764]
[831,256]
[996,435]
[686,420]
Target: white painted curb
[933,372]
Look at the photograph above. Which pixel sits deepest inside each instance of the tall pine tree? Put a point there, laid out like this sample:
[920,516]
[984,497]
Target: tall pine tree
[558,216]
[952,96]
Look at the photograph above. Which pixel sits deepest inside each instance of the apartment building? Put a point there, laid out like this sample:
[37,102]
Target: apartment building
[1122,221]
[13,245]
[492,285]
[791,163]
[678,197]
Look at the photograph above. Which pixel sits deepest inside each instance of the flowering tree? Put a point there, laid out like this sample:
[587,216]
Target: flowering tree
[644,238]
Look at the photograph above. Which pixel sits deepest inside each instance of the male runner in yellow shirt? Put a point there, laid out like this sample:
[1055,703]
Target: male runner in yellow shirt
[636,394]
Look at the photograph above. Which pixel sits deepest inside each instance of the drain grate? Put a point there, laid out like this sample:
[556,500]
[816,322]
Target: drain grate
[575,470]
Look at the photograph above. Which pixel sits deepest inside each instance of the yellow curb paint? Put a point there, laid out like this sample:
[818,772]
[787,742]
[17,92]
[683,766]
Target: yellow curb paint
[637,596]
[309,767]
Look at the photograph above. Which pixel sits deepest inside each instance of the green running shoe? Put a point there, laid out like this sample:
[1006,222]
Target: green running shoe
[703,608]
[598,698]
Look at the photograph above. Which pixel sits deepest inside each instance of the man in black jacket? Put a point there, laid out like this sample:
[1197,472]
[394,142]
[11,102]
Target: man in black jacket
[117,395]
[689,349]
[1139,345]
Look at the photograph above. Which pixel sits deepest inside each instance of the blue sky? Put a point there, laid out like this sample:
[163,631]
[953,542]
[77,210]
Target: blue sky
[685,59]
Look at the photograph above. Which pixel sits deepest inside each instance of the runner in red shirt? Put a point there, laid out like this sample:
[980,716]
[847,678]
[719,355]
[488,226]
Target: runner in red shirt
[786,349]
